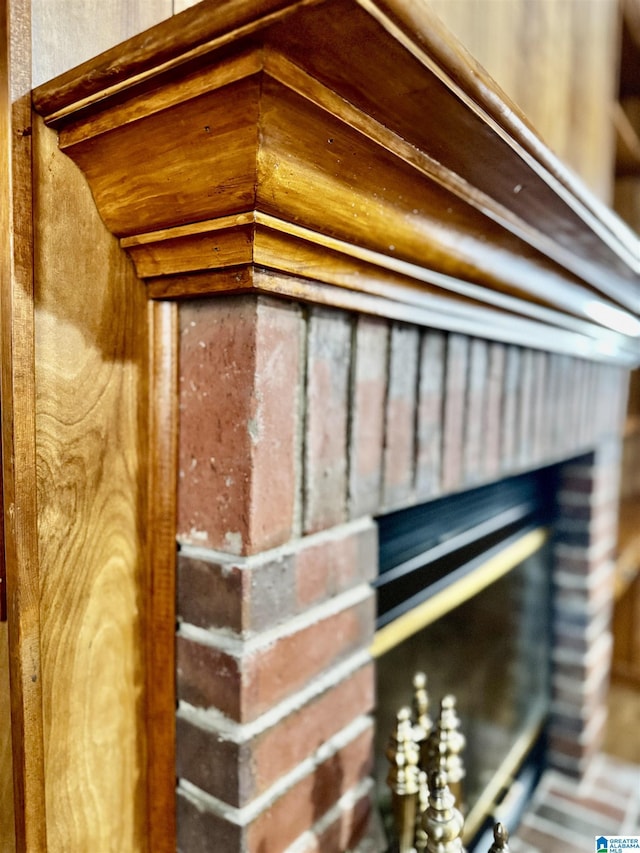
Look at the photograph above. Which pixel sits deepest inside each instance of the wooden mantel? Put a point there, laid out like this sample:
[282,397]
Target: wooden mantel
[356,148]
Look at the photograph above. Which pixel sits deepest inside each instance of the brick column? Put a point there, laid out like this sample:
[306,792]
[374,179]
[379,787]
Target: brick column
[583,570]
[274,681]
[584,555]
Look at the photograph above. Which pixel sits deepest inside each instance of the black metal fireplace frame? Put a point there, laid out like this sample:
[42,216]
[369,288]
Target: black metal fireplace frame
[434,548]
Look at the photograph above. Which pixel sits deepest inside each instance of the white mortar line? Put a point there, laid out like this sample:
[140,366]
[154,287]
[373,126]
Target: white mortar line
[246,814]
[571,582]
[596,625]
[571,657]
[236,646]
[602,519]
[576,686]
[594,551]
[334,534]
[214,721]
[345,802]
[565,497]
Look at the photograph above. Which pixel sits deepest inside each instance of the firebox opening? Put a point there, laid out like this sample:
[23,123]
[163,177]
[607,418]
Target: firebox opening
[464,596]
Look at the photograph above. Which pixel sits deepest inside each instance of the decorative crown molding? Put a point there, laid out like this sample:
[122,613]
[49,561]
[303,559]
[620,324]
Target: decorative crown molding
[336,149]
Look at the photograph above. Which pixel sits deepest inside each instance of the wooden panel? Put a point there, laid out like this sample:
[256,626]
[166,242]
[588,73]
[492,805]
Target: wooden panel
[162,196]
[66,32]
[626,635]
[627,138]
[630,50]
[91,341]
[627,200]
[17,411]
[7,828]
[312,256]
[160,587]
[558,61]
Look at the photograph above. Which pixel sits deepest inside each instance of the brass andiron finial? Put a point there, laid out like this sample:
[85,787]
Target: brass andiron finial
[422,723]
[500,839]
[403,781]
[423,804]
[445,747]
[442,822]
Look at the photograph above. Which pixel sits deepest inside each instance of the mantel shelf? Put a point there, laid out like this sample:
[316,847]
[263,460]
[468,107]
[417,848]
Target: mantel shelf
[341,150]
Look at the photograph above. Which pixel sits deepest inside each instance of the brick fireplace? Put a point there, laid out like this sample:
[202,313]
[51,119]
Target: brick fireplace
[298,425]
[357,304]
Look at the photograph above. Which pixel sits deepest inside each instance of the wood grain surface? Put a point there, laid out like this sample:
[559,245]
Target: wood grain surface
[218,130]
[218,253]
[18,447]
[7,826]
[558,61]
[91,343]
[160,609]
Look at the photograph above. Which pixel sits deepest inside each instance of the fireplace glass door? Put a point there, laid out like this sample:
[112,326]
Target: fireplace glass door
[472,611]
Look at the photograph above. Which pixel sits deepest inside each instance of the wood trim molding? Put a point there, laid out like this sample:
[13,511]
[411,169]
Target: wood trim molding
[19,481]
[244,253]
[300,137]
[160,604]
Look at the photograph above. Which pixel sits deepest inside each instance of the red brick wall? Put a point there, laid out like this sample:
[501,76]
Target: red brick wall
[296,425]
[240,418]
[584,554]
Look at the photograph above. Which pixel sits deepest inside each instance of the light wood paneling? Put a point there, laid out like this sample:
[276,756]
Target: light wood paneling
[90,409]
[558,60]
[7,829]
[626,635]
[66,32]
[180,5]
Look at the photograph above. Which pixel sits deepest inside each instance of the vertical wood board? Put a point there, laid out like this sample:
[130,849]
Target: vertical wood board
[17,413]
[90,413]
[7,827]
[160,608]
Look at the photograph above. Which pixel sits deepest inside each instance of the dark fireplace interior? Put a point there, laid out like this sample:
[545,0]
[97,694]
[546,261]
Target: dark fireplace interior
[464,595]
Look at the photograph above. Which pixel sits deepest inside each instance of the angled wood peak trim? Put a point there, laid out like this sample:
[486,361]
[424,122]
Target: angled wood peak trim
[361,122]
